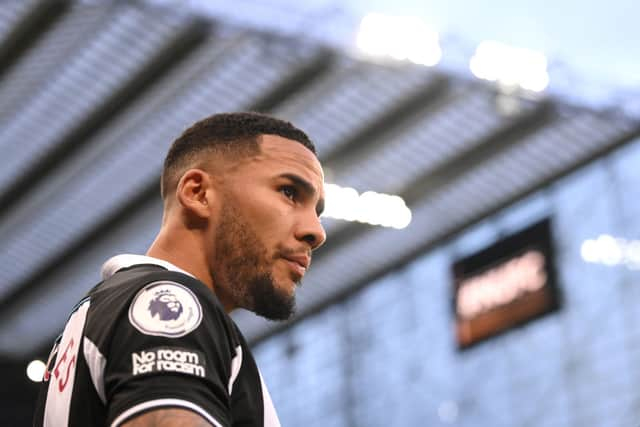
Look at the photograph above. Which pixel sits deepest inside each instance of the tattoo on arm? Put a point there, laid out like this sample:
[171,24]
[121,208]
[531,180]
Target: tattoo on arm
[172,417]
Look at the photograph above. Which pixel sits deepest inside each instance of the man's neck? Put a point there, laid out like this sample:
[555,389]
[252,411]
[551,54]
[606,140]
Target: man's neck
[186,250]
[182,252]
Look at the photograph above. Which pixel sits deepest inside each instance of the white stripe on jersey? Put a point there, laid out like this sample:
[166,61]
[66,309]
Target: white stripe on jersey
[56,410]
[159,403]
[270,415]
[236,364]
[96,363]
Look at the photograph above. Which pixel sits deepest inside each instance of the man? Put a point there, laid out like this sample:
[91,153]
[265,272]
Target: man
[153,345]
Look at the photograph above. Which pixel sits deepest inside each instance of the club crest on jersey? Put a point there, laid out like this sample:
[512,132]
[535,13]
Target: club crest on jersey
[166,309]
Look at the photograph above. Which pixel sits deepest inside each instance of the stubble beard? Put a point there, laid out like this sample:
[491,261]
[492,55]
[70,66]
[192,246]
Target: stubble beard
[242,262]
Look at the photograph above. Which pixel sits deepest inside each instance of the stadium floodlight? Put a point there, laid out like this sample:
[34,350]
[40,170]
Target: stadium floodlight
[399,37]
[35,370]
[510,66]
[369,207]
[612,251]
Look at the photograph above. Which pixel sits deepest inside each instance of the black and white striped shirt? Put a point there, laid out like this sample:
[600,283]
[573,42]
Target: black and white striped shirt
[151,336]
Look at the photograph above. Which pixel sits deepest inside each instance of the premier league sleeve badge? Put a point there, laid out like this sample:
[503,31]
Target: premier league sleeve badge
[166,309]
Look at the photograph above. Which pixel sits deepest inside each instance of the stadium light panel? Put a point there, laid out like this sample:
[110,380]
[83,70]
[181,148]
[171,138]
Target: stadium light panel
[369,207]
[399,37]
[35,370]
[510,66]
[612,251]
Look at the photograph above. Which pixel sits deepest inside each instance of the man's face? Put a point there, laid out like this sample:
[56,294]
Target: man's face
[267,227]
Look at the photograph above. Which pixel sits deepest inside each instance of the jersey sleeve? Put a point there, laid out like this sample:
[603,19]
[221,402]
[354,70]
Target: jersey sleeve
[172,347]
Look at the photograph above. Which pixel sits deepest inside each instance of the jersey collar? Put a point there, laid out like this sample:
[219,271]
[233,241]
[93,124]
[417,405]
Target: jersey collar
[119,262]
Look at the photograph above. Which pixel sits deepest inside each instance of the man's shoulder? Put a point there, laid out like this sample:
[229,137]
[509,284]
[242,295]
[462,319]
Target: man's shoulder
[130,280]
[126,274]
[155,284]
[154,301]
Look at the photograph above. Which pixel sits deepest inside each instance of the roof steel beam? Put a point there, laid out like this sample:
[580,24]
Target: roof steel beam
[175,51]
[29,30]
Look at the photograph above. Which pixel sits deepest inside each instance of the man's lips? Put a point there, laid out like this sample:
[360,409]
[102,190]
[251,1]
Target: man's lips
[303,260]
[298,263]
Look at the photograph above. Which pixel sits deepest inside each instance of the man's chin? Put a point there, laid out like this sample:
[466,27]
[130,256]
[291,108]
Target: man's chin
[277,309]
[274,302]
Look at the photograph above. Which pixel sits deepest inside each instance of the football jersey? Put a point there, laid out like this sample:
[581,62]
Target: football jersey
[151,336]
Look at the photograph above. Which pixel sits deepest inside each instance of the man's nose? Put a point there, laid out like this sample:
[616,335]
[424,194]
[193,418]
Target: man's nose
[312,232]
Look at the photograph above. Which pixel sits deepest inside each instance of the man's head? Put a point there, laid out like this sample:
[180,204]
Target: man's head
[252,187]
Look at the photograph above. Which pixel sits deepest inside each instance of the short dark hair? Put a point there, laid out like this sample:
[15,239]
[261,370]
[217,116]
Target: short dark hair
[235,133]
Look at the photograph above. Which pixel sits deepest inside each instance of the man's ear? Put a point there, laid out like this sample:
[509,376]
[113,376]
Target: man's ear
[195,192]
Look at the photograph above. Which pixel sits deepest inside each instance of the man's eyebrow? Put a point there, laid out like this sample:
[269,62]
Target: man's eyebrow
[306,187]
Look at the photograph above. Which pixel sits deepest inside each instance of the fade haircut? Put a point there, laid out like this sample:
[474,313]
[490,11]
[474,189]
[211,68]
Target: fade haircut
[235,134]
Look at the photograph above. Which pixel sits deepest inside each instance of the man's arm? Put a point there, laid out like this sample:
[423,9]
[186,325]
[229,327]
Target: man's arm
[141,376]
[168,418]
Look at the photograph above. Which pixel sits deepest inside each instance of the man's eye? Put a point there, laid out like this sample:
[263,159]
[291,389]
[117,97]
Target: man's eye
[289,192]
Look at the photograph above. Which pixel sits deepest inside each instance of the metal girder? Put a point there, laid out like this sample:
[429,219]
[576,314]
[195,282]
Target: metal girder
[177,49]
[29,30]
[431,96]
[304,77]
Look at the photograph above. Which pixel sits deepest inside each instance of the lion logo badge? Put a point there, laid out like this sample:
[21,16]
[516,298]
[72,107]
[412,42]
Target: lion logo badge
[165,308]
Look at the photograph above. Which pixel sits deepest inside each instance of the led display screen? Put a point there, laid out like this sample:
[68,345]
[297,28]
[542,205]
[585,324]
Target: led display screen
[505,285]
